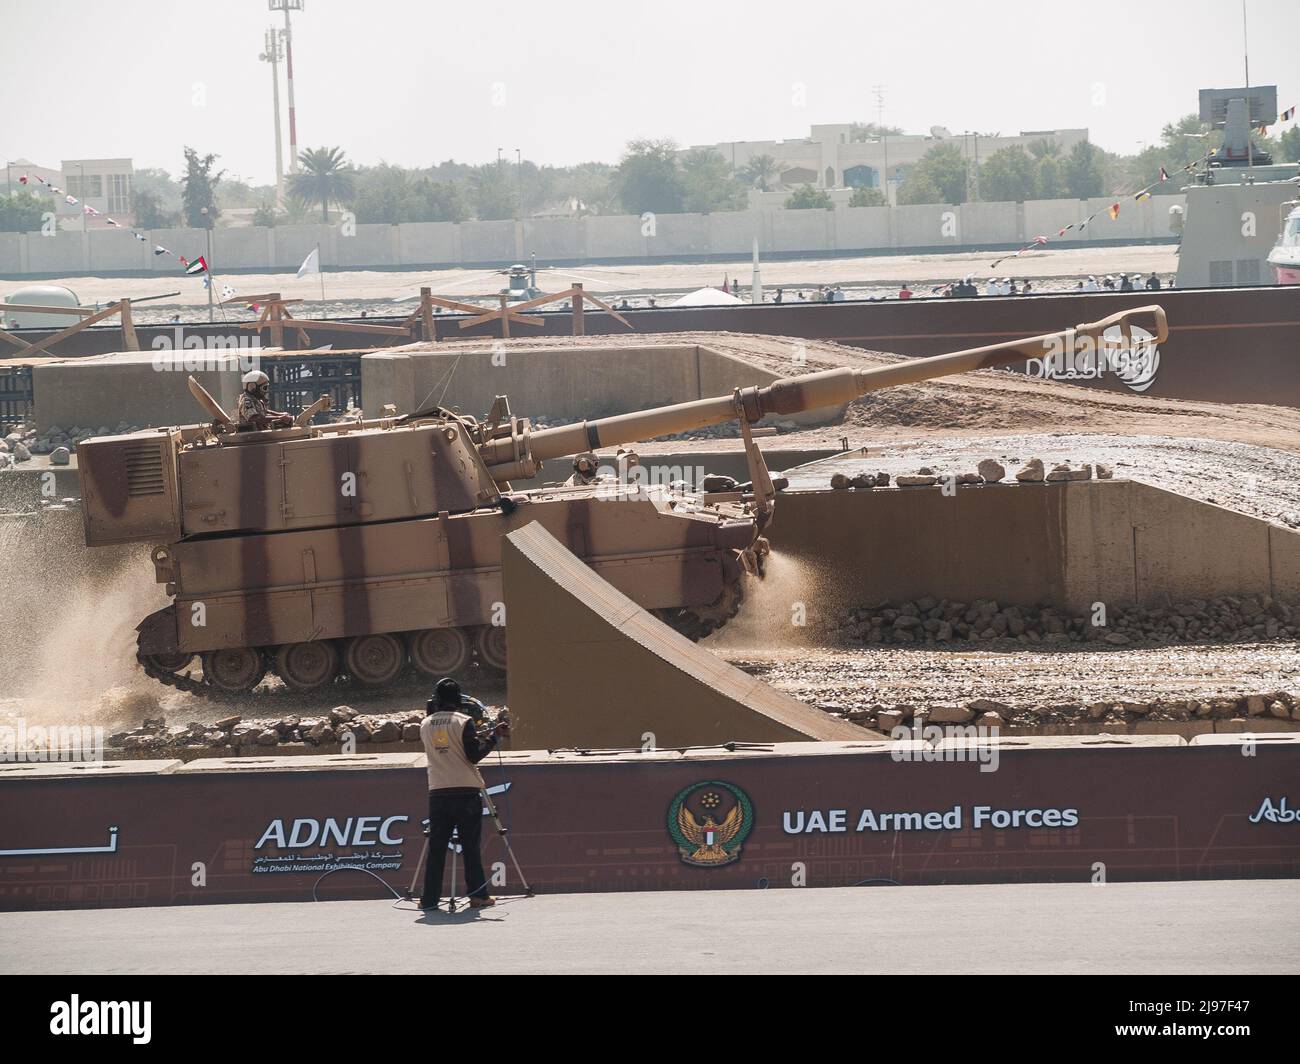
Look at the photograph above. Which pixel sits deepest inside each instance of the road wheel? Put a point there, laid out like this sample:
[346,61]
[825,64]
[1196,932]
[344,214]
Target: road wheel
[235,671]
[171,662]
[491,646]
[374,660]
[307,666]
[438,652]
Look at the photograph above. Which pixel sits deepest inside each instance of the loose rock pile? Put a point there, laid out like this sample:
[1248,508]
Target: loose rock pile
[931,621]
[988,472]
[235,734]
[20,442]
[1114,715]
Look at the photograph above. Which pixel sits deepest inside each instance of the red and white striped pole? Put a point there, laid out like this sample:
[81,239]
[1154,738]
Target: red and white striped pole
[286,6]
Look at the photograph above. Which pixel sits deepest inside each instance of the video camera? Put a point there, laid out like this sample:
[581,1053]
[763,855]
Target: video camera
[490,729]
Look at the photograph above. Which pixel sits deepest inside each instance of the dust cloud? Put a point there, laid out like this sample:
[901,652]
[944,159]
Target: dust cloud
[67,625]
[789,607]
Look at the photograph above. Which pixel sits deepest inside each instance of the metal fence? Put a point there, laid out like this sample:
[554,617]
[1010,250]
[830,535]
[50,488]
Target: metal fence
[15,393]
[296,384]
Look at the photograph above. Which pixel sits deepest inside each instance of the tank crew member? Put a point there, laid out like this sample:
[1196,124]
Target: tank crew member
[585,466]
[253,412]
[454,746]
[1153,282]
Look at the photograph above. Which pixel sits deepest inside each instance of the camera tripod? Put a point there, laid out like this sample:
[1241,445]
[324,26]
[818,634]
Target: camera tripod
[502,831]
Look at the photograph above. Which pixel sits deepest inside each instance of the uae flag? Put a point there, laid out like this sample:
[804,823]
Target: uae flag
[23,180]
[1288,114]
[158,249]
[1114,210]
[198,266]
[1164,174]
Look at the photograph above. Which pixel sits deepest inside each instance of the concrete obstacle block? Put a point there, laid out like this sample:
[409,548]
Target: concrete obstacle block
[588,667]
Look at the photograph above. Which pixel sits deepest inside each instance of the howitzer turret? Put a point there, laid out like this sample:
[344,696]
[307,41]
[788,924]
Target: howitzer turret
[368,547]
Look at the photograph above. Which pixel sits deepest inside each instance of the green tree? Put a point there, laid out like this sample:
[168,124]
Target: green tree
[148,210]
[860,132]
[867,197]
[1008,175]
[939,173]
[265,215]
[759,172]
[805,197]
[492,193]
[1289,146]
[199,195]
[592,185]
[23,212]
[162,185]
[326,177]
[1049,180]
[1084,176]
[709,183]
[385,194]
[649,179]
[441,201]
[919,188]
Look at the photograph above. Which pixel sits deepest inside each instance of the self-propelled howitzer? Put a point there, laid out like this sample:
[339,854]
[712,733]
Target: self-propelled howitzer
[367,547]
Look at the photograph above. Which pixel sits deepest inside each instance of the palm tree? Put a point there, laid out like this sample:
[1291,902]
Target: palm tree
[326,177]
[758,171]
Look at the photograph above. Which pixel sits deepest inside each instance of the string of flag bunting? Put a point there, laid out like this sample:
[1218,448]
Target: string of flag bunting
[1142,194]
[192,268]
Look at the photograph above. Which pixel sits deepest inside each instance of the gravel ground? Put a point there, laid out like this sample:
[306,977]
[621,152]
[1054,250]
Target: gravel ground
[859,677]
[1260,481]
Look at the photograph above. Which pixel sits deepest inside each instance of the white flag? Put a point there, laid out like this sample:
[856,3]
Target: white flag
[311,264]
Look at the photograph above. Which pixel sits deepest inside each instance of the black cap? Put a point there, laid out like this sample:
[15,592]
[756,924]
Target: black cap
[446,695]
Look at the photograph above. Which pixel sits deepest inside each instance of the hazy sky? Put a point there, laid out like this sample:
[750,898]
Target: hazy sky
[416,82]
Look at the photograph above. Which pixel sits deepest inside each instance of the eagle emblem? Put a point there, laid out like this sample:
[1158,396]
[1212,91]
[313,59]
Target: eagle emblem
[709,822]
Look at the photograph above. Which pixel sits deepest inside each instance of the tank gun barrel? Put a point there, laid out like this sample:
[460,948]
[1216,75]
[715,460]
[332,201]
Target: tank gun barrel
[812,391]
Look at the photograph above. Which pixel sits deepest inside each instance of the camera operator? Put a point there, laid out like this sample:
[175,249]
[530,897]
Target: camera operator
[454,745]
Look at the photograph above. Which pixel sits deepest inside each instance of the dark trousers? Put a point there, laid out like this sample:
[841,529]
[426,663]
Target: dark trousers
[464,814]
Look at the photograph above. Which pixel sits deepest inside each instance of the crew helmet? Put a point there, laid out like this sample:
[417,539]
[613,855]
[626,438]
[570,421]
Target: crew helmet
[254,378]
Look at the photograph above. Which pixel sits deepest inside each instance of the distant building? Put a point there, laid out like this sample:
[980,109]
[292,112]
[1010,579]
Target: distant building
[104,184]
[17,169]
[829,158]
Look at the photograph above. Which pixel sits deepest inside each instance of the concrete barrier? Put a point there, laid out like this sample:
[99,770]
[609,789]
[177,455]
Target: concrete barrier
[589,667]
[558,384]
[294,829]
[1070,544]
[600,237]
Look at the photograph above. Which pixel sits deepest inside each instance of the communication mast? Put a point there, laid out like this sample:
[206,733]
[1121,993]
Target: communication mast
[287,6]
[272,53]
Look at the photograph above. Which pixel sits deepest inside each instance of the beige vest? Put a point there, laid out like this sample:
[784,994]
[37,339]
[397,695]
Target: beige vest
[444,745]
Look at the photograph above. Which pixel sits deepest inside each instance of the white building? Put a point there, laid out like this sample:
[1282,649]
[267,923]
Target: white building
[104,184]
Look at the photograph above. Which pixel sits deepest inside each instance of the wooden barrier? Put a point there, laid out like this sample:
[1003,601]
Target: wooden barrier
[130,342]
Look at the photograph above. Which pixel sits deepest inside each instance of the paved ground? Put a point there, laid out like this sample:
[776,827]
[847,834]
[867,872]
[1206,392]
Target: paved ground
[1134,928]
